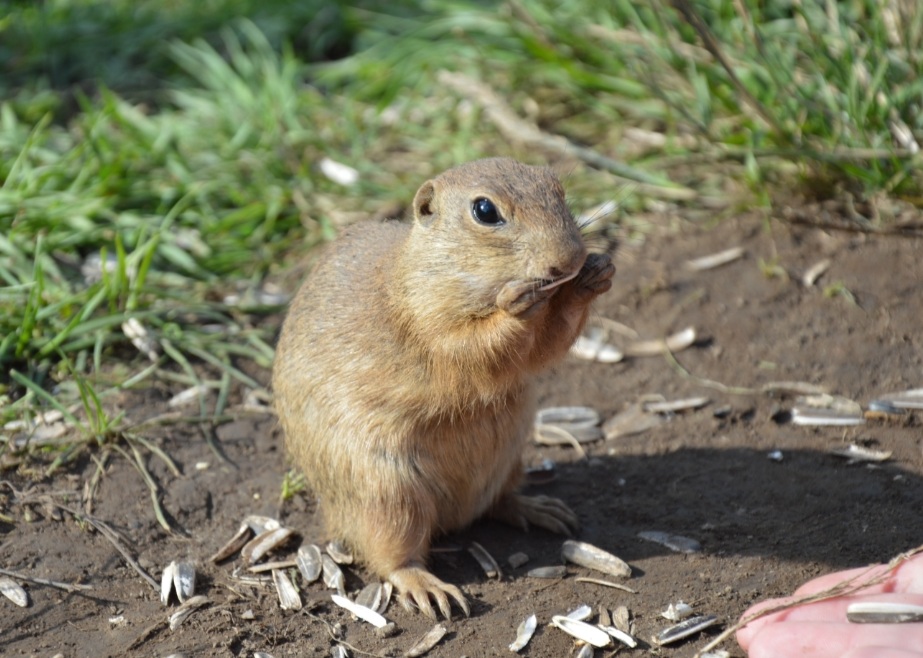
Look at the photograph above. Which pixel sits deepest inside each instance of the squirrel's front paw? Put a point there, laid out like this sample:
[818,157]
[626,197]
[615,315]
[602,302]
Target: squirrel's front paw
[523,298]
[595,276]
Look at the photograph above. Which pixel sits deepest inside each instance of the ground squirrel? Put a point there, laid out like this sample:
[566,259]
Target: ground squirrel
[403,372]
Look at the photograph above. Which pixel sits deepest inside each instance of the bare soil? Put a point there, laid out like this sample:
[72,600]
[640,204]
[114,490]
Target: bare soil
[765,526]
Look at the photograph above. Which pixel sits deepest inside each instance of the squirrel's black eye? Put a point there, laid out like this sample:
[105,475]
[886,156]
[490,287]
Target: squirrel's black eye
[485,212]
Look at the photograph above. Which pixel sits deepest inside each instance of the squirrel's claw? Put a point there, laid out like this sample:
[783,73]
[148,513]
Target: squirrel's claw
[417,586]
[542,511]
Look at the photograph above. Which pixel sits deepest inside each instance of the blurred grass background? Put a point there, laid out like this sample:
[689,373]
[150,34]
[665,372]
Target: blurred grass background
[160,161]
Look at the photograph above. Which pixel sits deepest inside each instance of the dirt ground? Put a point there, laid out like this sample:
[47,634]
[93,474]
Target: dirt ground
[765,526]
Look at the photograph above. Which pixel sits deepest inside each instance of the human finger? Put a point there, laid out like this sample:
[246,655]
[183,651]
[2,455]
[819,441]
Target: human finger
[830,610]
[881,652]
[811,639]
[906,577]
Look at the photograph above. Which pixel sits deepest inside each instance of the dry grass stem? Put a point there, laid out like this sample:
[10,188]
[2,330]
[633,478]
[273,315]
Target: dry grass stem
[514,128]
[606,583]
[47,583]
[113,536]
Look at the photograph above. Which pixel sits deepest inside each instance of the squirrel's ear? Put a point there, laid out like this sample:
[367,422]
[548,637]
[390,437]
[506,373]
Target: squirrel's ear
[424,210]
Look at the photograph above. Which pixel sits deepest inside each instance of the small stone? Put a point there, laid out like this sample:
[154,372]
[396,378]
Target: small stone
[516,560]
[388,630]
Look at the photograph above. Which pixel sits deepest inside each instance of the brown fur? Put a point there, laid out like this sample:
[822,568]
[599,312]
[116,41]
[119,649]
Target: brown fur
[402,372]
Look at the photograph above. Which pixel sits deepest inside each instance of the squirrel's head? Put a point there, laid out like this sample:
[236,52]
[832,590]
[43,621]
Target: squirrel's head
[489,222]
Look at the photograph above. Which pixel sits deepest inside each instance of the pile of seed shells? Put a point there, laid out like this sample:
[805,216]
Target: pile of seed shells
[258,537]
[615,626]
[577,426]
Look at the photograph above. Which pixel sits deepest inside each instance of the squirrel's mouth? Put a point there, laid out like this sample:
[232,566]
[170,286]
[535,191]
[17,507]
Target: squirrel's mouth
[549,284]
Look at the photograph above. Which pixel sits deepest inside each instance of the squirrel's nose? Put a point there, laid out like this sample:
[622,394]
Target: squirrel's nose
[565,269]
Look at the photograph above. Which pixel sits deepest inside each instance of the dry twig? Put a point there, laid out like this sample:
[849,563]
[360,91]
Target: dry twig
[42,581]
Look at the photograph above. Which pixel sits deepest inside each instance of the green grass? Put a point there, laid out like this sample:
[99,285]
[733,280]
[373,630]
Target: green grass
[184,206]
[67,44]
[823,86]
[178,144]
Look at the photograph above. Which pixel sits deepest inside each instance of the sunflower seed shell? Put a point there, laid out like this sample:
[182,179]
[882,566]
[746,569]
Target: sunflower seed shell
[486,560]
[813,273]
[577,416]
[524,633]
[712,261]
[825,417]
[386,589]
[564,425]
[339,173]
[677,611]
[309,562]
[883,409]
[674,343]
[263,543]
[855,454]
[633,420]
[288,595]
[592,348]
[912,399]
[260,524]
[427,642]
[585,651]
[182,613]
[269,566]
[621,636]
[558,435]
[166,583]
[676,543]
[339,552]
[684,629]
[370,596]
[140,338]
[362,612]
[234,544]
[582,613]
[183,580]
[871,612]
[333,575]
[14,592]
[621,619]
[591,557]
[582,631]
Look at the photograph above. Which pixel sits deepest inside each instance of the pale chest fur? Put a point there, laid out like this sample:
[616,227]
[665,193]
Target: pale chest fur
[468,463]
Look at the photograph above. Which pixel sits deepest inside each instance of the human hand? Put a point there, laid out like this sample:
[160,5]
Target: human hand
[821,630]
